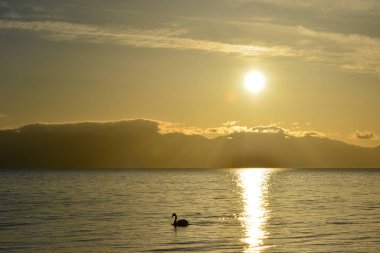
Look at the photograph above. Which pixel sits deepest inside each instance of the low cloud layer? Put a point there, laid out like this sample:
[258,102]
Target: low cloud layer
[232,127]
[142,144]
[364,135]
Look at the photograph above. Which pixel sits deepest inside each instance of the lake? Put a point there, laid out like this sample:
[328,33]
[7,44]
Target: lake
[229,210]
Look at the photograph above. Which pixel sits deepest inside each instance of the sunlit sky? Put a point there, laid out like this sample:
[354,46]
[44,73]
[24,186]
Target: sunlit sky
[184,61]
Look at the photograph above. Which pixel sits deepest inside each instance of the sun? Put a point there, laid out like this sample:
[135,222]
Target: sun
[254,81]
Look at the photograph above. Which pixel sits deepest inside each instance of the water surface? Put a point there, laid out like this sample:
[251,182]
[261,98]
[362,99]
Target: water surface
[233,210]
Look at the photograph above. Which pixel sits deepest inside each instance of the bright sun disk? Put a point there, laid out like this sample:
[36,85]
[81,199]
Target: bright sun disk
[254,81]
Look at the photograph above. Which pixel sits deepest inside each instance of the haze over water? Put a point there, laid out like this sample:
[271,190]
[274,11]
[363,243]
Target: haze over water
[231,210]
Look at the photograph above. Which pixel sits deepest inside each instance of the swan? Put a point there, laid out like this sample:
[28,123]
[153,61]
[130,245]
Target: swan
[179,223]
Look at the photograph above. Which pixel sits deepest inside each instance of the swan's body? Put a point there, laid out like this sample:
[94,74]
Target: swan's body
[179,223]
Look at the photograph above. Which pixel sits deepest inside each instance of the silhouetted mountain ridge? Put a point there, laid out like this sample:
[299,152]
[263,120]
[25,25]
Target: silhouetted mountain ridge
[139,144]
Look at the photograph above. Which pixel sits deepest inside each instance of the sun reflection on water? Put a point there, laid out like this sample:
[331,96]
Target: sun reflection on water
[253,183]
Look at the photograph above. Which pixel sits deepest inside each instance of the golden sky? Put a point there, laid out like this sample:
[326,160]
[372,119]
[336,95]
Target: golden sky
[184,62]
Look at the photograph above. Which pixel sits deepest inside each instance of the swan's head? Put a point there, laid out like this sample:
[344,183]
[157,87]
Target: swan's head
[173,215]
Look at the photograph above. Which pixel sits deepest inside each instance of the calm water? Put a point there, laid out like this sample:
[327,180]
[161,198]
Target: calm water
[245,210]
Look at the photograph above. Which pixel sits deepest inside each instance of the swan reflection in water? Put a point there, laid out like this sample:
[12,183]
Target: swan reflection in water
[253,183]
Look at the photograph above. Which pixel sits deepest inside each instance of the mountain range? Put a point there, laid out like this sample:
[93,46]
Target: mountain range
[140,144]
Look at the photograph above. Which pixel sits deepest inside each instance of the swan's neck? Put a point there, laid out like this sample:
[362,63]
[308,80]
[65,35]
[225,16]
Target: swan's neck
[175,219]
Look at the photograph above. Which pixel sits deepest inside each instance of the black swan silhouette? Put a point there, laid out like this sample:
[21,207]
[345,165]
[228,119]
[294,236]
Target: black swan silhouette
[179,223]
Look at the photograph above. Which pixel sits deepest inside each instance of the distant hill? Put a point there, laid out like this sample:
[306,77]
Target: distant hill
[138,144]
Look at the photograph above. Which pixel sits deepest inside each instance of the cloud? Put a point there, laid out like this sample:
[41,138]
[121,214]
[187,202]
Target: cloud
[166,127]
[230,123]
[232,127]
[25,11]
[346,5]
[307,133]
[347,51]
[154,38]
[271,129]
[350,52]
[4,4]
[357,53]
[364,135]
[227,128]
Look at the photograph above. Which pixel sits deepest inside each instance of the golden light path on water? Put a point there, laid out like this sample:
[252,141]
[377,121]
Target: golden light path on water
[253,183]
